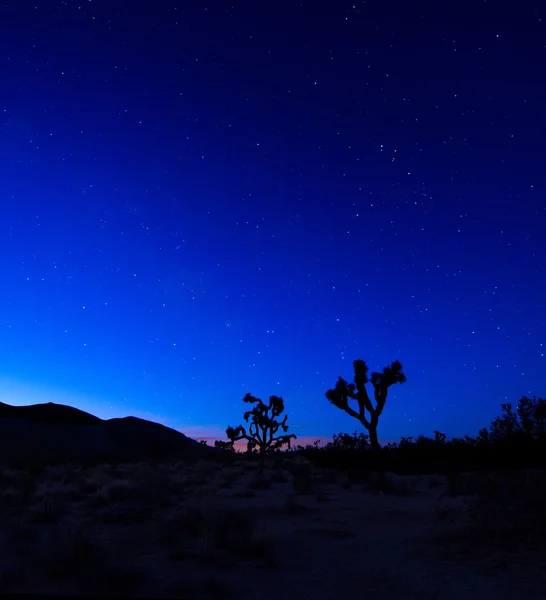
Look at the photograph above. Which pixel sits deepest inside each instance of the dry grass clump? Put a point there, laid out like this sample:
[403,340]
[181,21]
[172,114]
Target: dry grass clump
[512,518]
[126,514]
[278,477]
[260,483]
[449,509]
[11,575]
[217,535]
[141,483]
[434,481]
[505,523]
[70,552]
[93,479]
[58,489]
[302,482]
[235,533]
[117,491]
[17,486]
[186,523]
[211,588]
[302,474]
[66,550]
[291,507]
[197,474]
[229,476]
[49,509]
[56,550]
[150,483]
[392,483]
[61,473]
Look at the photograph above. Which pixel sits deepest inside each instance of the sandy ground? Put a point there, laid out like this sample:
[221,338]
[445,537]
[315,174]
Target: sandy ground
[209,531]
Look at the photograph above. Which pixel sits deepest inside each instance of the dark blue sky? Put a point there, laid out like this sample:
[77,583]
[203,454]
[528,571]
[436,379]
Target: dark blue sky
[204,199]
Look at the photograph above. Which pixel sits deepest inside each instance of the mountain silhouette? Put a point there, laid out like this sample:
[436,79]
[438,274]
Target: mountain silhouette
[56,433]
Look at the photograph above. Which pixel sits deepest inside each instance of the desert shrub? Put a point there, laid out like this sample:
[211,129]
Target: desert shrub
[187,523]
[278,477]
[260,483]
[126,513]
[215,589]
[454,487]
[90,486]
[64,550]
[71,493]
[444,512]
[119,490]
[60,473]
[148,484]
[231,531]
[212,530]
[49,510]
[434,482]
[292,507]
[245,494]
[227,482]
[21,537]
[115,579]
[236,532]
[35,469]
[302,482]
[92,479]
[389,483]
[20,480]
[506,531]
[11,576]
[322,496]
[211,588]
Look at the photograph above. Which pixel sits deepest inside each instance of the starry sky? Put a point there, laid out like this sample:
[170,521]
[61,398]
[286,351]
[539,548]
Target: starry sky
[203,199]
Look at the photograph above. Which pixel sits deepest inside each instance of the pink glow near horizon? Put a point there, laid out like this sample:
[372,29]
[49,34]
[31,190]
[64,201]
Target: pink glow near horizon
[241,445]
[303,440]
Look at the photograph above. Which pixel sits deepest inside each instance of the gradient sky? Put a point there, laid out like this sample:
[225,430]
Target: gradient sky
[204,199]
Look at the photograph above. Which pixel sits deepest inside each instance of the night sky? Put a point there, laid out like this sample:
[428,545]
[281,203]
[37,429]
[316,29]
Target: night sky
[204,199]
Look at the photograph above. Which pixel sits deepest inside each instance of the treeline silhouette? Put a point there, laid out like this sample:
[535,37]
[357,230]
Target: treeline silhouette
[516,439]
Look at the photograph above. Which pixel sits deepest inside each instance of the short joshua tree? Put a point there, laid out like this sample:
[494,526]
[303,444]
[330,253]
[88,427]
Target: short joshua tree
[262,429]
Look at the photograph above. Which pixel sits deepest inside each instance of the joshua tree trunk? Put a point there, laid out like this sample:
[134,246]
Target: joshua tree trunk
[262,461]
[374,440]
[377,458]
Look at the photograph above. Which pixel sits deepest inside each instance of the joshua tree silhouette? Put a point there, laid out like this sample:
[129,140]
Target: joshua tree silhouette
[262,429]
[343,392]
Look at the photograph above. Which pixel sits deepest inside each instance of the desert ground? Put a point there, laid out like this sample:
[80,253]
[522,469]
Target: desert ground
[209,530]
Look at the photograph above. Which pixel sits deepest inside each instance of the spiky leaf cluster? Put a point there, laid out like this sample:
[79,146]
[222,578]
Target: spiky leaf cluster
[343,391]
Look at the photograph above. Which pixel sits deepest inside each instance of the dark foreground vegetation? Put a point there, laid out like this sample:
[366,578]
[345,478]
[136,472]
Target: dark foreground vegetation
[514,440]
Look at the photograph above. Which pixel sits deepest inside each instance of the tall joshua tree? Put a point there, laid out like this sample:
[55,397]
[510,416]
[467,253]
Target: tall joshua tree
[263,427]
[343,392]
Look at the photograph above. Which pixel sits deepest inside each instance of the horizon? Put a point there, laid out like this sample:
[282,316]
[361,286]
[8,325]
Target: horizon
[200,202]
[20,395]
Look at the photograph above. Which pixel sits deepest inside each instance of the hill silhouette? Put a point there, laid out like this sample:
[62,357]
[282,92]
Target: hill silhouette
[51,413]
[56,433]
